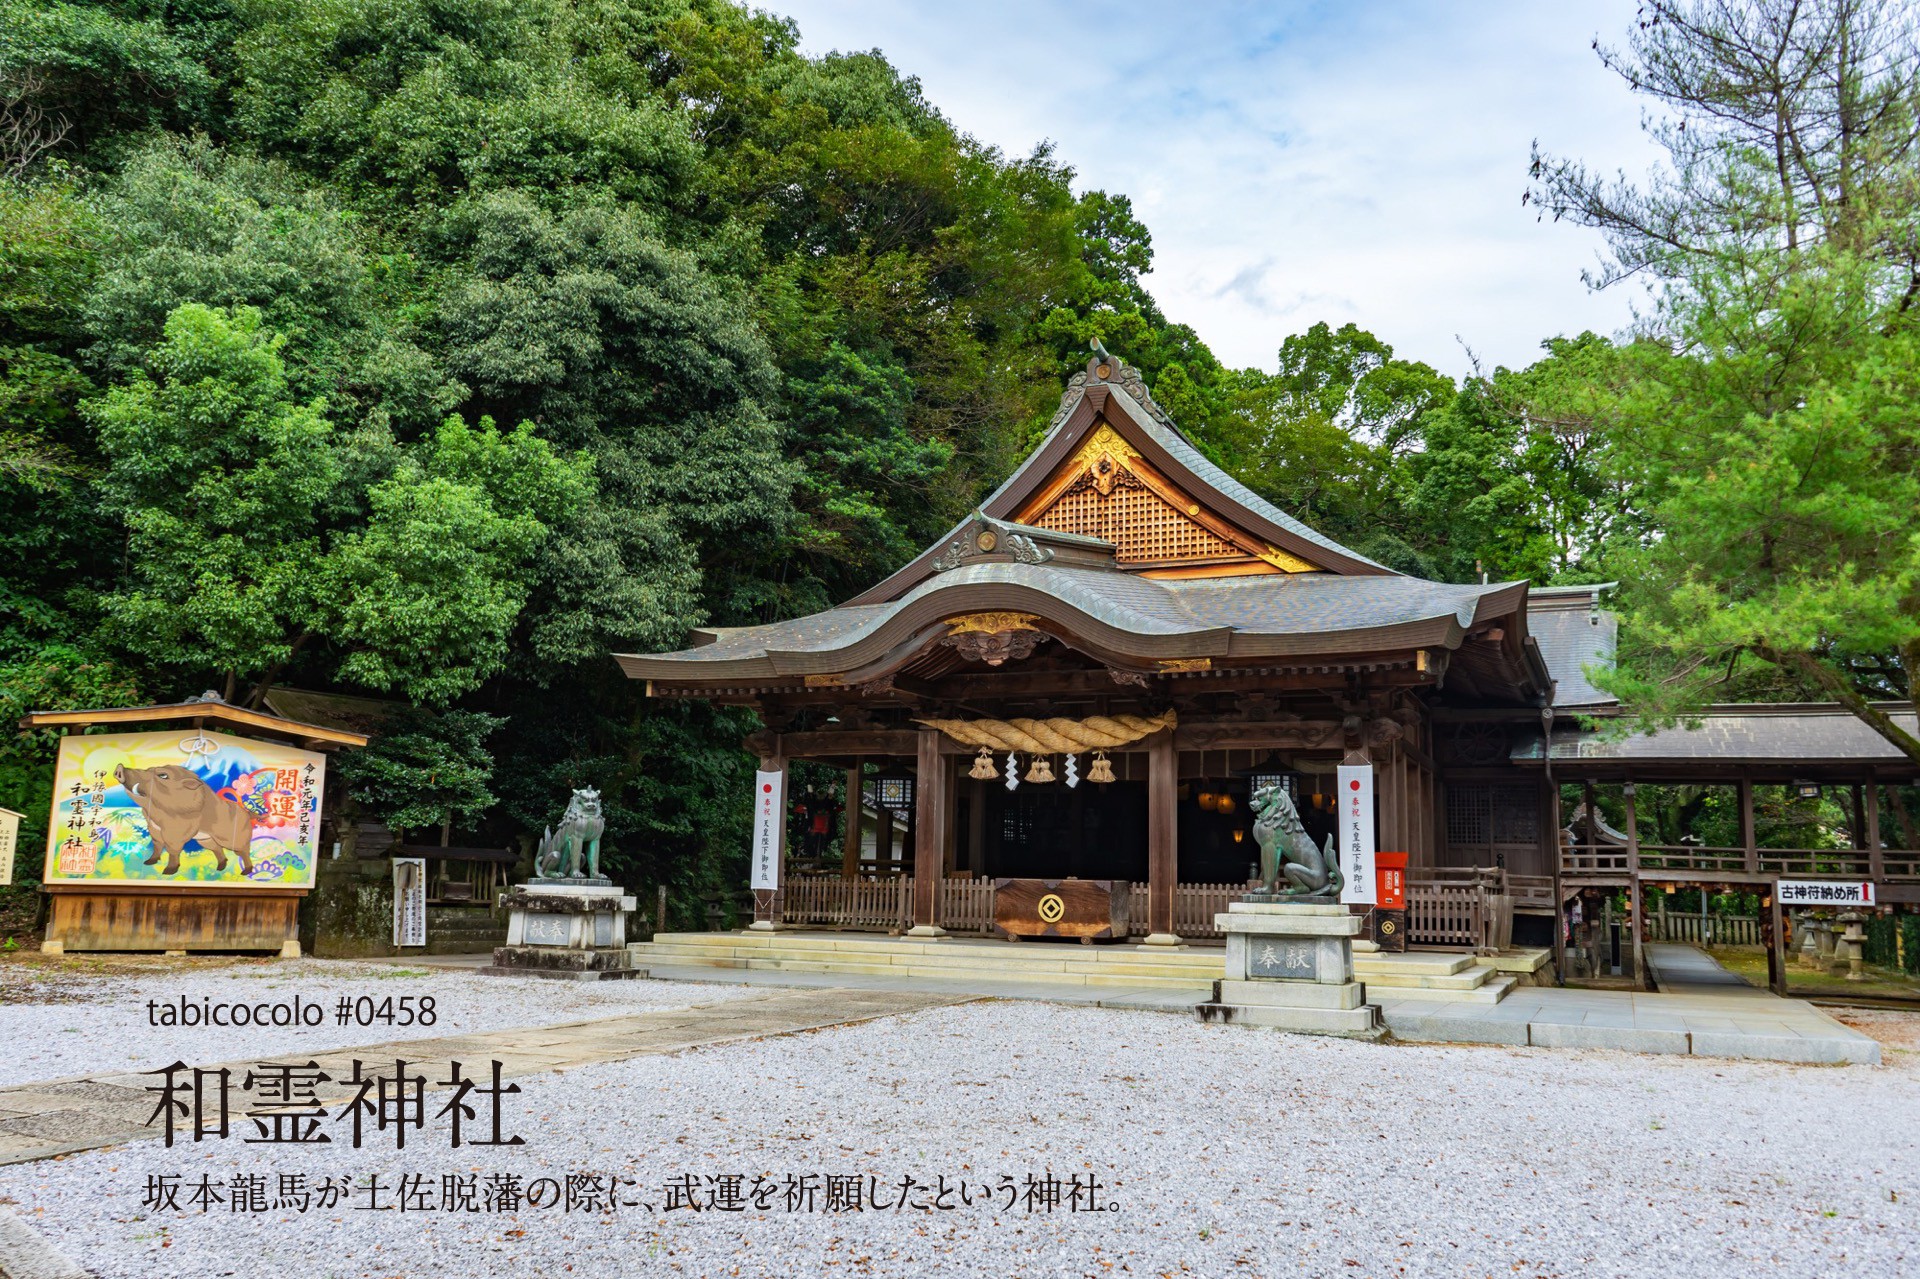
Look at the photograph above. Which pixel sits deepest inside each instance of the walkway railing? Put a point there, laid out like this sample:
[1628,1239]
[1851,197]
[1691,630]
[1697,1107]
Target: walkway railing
[1694,859]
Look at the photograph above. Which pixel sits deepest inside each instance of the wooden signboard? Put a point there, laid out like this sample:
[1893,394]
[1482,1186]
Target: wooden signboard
[1089,909]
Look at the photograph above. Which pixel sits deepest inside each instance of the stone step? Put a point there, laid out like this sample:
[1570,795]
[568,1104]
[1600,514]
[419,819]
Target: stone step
[1471,979]
[1490,991]
[1083,978]
[1436,963]
[1201,963]
[956,966]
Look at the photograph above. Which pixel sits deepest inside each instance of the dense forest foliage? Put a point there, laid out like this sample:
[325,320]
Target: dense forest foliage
[432,350]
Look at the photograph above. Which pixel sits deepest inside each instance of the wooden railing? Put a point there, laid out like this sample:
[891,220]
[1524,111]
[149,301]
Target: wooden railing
[1837,863]
[966,905]
[1714,930]
[1691,857]
[1194,906]
[1594,859]
[880,905]
[1532,894]
[1447,914]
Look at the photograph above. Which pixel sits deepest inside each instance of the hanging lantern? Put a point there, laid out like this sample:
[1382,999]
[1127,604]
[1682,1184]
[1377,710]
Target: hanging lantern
[983,769]
[1041,769]
[1013,770]
[1225,806]
[1102,770]
[1239,835]
[1208,800]
[1073,771]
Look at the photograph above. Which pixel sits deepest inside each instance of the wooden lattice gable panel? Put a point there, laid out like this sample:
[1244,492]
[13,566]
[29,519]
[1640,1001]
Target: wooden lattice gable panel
[1109,490]
[1194,506]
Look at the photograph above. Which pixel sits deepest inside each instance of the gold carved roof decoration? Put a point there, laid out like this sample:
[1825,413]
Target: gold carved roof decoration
[1287,562]
[991,623]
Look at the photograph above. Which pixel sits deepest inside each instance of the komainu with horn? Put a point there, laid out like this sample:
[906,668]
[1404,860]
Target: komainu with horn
[1286,851]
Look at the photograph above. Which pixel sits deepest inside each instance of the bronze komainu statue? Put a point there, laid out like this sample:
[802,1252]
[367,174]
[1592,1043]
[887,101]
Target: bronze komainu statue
[562,850]
[1310,874]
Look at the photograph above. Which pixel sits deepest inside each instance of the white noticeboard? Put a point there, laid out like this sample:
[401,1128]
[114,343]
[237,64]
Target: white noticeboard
[769,812]
[1356,835]
[9,840]
[409,901]
[1825,892]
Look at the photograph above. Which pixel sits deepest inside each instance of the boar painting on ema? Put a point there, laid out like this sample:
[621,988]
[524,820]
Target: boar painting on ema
[184,807]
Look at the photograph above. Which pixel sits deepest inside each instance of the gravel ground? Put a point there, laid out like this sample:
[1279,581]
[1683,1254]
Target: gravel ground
[1228,1151]
[59,1023]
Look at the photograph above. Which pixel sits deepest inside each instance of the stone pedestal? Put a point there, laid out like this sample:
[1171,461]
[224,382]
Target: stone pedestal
[1290,966]
[574,929]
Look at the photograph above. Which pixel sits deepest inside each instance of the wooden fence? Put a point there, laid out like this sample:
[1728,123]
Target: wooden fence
[1714,930]
[878,905]
[1447,915]
[966,905]
[1194,906]
[1466,908]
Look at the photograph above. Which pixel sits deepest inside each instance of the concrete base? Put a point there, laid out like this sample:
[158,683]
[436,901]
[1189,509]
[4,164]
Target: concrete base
[766,926]
[926,930]
[1290,966]
[563,974]
[573,929]
[1163,939]
[567,960]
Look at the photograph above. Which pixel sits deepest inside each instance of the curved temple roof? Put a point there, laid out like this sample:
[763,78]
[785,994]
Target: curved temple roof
[1250,584]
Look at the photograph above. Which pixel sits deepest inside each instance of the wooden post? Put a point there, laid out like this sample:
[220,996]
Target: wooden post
[1776,942]
[883,838]
[1748,841]
[850,840]
[660,912]
[1163,835]
[977,826]
[1636,900]
[1876,855]
[930,829]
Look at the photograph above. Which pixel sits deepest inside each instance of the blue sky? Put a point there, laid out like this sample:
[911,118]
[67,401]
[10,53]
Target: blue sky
[1301,161]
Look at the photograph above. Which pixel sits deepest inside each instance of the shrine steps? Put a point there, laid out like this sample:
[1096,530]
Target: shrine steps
[1119,966]
[1433,975]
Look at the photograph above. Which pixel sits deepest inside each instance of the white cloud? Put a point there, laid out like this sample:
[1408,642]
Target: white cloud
[1300,161]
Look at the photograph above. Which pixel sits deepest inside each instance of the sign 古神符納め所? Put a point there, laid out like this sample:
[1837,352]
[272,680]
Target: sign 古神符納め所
[1826,892]
[185,807]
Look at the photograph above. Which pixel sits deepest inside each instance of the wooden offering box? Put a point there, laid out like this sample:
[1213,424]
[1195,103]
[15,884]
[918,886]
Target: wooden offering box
[1089,909]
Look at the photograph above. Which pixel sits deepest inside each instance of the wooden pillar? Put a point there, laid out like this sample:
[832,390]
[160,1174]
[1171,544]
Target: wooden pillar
[1876,855]
[883,838]
[1163,836]
[850,841]
[976,826]
[1636,901]
[1776,942]
[930,830]
[1748,842]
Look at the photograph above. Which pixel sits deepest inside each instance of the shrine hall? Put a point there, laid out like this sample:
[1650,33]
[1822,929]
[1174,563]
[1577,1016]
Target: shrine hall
[1086,679]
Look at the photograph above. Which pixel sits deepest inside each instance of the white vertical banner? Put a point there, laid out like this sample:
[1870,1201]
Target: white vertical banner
[769,815]
[409,901]
[1356,835]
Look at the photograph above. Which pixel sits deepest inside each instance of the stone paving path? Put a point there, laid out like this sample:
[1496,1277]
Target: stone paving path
[58,1117]
[1676,968]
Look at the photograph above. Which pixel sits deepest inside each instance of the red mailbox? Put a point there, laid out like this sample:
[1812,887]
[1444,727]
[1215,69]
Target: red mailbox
[1390,870]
